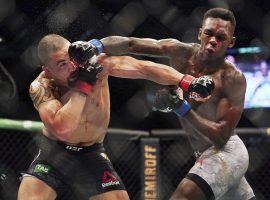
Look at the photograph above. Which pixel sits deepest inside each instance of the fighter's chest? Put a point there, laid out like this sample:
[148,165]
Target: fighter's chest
[212,102]
[94,101]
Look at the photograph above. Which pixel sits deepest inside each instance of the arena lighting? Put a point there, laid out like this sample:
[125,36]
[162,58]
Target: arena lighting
[246,50]
[250,50]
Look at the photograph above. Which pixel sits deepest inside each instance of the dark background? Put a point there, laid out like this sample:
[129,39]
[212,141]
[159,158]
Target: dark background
[23,23]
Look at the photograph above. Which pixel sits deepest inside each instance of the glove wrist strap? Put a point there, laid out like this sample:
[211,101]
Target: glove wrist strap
[98,44]
[83,87]
[186,81]
[183,109]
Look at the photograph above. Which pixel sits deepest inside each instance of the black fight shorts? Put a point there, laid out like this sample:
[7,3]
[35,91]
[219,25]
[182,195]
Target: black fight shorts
[87,170]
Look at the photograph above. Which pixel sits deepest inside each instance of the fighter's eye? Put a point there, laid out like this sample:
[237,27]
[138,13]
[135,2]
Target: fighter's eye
[221,37]
[62,64]
[208,33]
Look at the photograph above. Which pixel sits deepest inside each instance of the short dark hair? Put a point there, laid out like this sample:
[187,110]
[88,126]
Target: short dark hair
[50,44]
[221,13]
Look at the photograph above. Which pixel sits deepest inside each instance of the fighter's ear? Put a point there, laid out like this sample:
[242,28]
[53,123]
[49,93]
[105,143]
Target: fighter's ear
[199,34]
[232,42]
[46,69]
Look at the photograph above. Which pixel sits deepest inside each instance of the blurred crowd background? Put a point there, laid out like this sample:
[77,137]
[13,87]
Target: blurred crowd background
[23,23]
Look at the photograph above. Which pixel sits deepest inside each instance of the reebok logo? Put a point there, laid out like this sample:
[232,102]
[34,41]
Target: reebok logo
[108,180]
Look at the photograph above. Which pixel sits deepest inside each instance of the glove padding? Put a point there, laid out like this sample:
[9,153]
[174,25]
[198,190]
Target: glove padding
[84,77]
[166,100]
[203,86]
[80,52]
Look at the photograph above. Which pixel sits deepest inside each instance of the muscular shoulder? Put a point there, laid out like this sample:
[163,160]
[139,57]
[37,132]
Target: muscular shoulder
[233,79]
[42,90]
[232,74]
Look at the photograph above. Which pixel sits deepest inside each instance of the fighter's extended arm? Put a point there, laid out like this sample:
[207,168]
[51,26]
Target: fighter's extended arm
[60,119]
[129,67]
[117,45]
[126,67]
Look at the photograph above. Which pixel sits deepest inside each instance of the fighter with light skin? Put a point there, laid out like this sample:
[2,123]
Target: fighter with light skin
[72,98]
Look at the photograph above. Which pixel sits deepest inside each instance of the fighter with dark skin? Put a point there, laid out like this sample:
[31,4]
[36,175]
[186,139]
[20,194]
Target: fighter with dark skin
[209,124]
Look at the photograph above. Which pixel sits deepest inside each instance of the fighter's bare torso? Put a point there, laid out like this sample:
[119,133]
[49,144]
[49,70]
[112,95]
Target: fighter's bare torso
[96,113]
[222,75]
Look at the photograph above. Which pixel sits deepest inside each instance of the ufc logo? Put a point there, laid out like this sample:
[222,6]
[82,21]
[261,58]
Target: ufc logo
[204,80]
[73,148]
[89,68]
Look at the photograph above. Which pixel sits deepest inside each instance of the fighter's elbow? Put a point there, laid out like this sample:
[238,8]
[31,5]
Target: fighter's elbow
[219,137]
[219,143]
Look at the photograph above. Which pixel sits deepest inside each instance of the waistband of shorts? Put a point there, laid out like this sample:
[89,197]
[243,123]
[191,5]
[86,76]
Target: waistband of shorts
[75,148]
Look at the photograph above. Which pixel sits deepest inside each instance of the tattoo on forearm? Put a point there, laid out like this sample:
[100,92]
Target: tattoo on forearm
[40,94]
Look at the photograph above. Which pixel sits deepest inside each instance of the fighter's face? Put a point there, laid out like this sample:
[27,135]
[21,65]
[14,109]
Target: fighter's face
[216,35]
[60,67]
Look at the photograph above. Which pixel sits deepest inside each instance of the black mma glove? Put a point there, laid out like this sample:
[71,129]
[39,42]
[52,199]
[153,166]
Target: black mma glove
[167,100]
[80,52]
[203,86]
[84,78]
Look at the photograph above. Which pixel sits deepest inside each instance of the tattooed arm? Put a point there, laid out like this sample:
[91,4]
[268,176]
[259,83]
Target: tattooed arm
[60,119]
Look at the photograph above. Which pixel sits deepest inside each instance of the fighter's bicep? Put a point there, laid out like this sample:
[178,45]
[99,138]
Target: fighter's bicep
[228,112]
[44,100]
[227,118]
[234,110]
[148,46]
[235,89]
[47,111]
[230,107]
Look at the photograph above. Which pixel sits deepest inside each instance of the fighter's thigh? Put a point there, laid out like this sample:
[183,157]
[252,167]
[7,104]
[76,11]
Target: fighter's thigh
[35,189]
[241,191]
[112,195]
[187,189]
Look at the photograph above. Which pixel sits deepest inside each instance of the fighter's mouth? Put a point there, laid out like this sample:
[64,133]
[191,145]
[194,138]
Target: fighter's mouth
[210,50]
